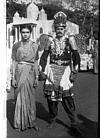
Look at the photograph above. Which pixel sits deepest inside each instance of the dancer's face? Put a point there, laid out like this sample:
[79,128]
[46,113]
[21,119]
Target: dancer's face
[60,31]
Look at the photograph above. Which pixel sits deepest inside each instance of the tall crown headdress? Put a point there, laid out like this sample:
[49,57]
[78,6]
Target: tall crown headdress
[60,19]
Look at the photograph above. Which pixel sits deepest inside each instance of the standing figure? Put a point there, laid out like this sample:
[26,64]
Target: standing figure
[24,80]
[95,57]
[58,73]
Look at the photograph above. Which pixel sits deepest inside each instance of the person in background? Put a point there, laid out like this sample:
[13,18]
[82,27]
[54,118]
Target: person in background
[95,57]
[58,74]
[25,80]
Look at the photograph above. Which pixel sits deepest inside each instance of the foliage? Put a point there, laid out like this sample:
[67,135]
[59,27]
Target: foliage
[11,9]
[82,12]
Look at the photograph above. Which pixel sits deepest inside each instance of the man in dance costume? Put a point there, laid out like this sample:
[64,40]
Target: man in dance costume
[58,73]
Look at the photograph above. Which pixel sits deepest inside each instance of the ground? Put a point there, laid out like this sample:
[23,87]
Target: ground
[86,99]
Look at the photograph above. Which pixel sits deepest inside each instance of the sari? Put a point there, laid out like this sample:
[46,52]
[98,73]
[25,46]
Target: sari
[25,108]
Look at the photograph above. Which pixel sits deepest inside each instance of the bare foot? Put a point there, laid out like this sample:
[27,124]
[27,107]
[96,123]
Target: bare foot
[36,128]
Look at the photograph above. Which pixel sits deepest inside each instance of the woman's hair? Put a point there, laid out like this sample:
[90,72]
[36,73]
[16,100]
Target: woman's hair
[26,26]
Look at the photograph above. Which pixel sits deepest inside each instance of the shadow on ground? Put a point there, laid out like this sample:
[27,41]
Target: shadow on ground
[88,128]
[62,123]
[41,112]
[10,106]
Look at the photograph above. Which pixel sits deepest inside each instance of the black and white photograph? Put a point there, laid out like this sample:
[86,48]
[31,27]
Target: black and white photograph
[51,68]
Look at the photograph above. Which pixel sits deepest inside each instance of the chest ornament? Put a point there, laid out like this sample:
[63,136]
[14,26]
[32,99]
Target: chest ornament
[58,48]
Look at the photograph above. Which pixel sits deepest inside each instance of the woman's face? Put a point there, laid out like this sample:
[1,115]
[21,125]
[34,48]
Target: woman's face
[25,33]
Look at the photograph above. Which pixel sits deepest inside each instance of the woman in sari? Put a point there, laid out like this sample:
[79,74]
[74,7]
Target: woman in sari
[24,80]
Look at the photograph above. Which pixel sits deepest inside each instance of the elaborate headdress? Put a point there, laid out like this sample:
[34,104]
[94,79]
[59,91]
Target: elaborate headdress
[60,19]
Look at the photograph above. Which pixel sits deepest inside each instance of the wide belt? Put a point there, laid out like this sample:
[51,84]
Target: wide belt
[60,62]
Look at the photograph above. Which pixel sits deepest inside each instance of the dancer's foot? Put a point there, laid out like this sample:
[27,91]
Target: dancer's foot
[18,129]
[51,125]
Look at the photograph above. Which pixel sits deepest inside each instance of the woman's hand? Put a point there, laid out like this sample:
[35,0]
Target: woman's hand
[35,82]
[40,68]
[14,83]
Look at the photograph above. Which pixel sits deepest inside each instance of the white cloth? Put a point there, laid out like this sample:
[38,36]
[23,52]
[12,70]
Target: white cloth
[64,82]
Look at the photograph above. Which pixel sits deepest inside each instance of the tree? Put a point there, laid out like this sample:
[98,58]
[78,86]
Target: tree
[82,12]
[85,12]
[12,7]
